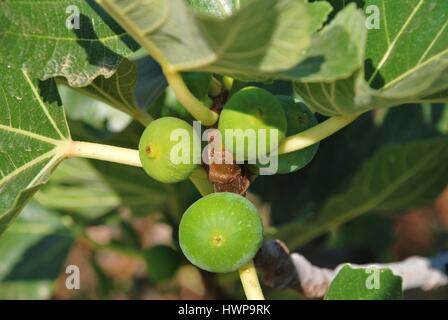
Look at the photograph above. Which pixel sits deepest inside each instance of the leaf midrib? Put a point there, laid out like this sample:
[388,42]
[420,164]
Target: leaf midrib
[30,134]
[395,41]
[43,37]
[414,69]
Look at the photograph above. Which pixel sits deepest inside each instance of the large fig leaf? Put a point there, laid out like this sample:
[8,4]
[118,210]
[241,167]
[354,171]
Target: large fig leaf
[33,137]
[34,35]
[263,39]
[406,60]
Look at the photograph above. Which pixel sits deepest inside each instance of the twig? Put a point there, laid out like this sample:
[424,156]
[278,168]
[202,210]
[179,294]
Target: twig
[282,270]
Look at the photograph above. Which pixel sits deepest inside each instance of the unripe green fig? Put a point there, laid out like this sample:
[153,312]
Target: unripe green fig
[168,148]
[299,118]
[220,232]
[254,109]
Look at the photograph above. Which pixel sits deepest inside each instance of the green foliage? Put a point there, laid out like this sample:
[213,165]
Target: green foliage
[364,284]
[43,45]
[396,177]
[405,61]
[33,132]
[133,187]
[319,54]
[118,90]
[198,84]
[234,46]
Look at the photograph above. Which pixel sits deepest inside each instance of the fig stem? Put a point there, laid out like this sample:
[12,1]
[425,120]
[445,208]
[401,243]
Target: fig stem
[315,134]
[130,157]
[103,152]
[251,285]
[228,82]
[215,87]
[200,180]
[195,107]
[141,116]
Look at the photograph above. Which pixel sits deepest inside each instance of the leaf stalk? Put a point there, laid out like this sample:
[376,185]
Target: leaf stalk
[195,107]
[103,152]
[315,134]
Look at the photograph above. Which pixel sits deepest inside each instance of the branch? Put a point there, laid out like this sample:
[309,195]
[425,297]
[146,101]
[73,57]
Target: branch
[282,270]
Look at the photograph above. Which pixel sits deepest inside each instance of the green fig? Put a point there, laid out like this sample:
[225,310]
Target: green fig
[252,109]
[168,150]
[220,232]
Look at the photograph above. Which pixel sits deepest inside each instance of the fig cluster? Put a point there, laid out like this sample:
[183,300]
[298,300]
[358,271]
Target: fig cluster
[223,231]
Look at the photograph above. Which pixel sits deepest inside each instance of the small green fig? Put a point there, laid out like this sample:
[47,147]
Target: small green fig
[254,109]
[299,118]
[168,149]
[220,232]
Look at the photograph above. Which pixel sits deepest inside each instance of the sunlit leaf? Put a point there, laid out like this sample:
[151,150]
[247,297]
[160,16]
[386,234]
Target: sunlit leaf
[33,138]
[406,60]
[365,284]
[34,35]
[263,39]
